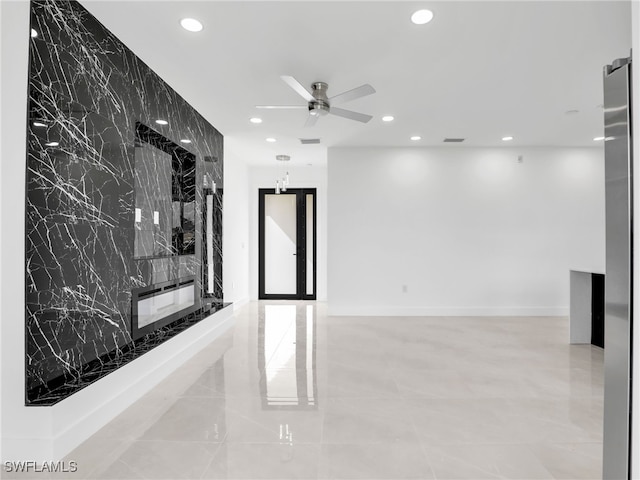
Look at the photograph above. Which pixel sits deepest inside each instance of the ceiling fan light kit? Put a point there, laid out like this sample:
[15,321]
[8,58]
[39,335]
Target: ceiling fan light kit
[319,105]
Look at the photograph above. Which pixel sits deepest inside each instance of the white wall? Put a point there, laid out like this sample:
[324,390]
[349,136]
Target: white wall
[467,231]
[301,177]
[34,423]
[235,228]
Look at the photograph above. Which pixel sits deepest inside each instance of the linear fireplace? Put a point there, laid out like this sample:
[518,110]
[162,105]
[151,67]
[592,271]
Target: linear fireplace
[157,305]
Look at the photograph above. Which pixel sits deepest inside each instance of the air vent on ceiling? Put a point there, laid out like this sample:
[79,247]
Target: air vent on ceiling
[309,141]
[453,140]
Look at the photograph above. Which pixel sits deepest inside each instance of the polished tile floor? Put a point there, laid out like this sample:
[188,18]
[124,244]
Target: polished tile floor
[291,393]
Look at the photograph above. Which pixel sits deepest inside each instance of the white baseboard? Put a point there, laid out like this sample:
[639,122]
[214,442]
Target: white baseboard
[394,311]
[79,416]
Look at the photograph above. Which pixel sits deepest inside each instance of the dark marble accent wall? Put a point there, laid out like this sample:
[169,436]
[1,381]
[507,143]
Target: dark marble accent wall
[87,94]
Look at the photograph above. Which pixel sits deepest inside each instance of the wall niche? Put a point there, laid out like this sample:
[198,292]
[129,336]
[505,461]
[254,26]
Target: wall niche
[116,171]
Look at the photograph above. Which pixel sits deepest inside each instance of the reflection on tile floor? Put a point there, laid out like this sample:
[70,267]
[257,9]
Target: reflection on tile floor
[291,393]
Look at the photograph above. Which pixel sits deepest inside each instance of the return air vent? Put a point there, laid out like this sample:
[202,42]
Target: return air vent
[309,141]
[453,140]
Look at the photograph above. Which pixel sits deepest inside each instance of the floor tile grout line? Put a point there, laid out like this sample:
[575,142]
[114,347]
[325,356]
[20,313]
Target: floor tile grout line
[213,457]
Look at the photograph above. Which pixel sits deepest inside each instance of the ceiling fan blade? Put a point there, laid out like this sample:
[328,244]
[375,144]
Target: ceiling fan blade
[311,120]
[361,91]
[297,86]
[281,106]
[359,117]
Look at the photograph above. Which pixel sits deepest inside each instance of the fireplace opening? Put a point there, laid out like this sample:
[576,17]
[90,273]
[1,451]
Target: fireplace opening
[160,304]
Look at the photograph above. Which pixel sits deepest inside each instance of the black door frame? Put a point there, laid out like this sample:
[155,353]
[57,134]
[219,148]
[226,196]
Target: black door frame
[301,247]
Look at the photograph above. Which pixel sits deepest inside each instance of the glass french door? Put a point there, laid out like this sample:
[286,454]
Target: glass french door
[287,244]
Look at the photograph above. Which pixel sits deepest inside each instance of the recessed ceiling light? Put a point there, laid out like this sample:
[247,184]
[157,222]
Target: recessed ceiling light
[162,122]
[39,124]
[34,33]
[421,17]
[52,144]
[255,120]
[598,139]
[185,140]
[387,118]
[191,24]
[270,139]
[507,139]
[415,138]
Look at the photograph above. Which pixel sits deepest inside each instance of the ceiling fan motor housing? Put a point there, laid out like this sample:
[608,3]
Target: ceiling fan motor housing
[319,106]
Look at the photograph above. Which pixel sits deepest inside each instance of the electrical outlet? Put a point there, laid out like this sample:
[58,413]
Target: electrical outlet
[405,289]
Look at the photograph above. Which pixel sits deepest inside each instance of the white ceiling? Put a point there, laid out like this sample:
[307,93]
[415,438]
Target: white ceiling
[480,70]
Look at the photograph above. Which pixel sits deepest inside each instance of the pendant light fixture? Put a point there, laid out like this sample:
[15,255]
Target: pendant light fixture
[282,183]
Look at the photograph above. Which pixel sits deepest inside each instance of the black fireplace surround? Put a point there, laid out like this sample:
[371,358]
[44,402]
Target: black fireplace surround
[114,206]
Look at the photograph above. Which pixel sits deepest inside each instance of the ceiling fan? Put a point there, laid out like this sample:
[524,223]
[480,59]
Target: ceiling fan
[320,105]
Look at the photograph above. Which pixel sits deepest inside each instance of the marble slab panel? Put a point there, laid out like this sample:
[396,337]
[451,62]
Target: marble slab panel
[88,93]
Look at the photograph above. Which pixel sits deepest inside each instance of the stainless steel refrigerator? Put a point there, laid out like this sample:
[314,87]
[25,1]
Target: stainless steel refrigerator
[619,271]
